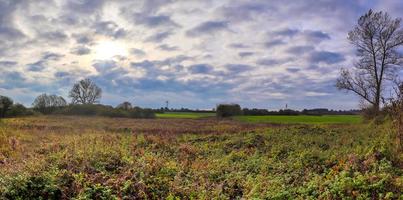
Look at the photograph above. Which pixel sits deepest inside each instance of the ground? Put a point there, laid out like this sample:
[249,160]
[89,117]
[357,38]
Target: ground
[55,157]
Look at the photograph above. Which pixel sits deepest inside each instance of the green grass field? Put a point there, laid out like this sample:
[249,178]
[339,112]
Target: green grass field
[303,119]
[278,119]
[184,115]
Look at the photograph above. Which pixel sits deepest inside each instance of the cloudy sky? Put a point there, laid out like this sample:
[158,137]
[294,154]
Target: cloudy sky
[194,53]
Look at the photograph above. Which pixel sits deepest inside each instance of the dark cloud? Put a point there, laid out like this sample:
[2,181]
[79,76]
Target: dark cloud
[208,27]
[298,50]
[159,37]
[274,43]
[237,68]
[84,6]
[293,70]
[200,68]
[8,31]
[81,50]
[55,36]
[174,62]
[245,11]
[13,80]
[310,35]
[82,38]
[154,21]
[326,57]
[288,32]
[316,36]
[42,63]
[238,46]
[61,74]
[245,54]
[8,63]
[166,47]
[103,66]
[109,28]
[37,66]
[51,56]
[268,62]
[137,52]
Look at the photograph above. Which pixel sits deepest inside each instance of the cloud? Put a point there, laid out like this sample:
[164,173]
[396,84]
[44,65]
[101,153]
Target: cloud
[274,43]
[293,70]
[159,37]
[81,50]
[54,36]
[268,62]
[51,56]
[316,36]
[298,50]
[166,47]
[201,68]
[8,31]
[245,11]
[82,38]
[326,57]
[8,63]
[84,6]
[237,68]
[109,28]
[208,27]
[43,62]
[238,46]
[154,21]
[137,52]
[245,54]
[278,51]
[288,32]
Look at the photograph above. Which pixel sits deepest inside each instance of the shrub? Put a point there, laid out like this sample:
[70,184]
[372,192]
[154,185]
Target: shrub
[228,110]
[18,110]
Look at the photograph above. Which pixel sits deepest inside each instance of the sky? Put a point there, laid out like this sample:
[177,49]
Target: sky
[192,53]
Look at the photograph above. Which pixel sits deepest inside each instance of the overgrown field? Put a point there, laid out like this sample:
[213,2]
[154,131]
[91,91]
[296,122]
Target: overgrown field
[104,158]
[302,119]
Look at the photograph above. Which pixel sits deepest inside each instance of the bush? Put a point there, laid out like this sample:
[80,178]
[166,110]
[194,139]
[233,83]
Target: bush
[19,110]
[228,110]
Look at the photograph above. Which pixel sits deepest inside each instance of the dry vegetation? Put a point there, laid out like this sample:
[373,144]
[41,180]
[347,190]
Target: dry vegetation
[103,158]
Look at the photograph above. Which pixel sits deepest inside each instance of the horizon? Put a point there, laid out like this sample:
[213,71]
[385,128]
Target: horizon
[194,54]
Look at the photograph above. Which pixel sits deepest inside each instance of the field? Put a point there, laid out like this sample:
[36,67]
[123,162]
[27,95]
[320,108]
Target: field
[184,115]
[303,119]
[103,158]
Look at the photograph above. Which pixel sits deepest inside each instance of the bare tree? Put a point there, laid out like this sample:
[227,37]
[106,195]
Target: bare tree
[46,104]
[377,38]
[85,92]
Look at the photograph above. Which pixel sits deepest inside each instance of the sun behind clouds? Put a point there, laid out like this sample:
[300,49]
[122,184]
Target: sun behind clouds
[107,49]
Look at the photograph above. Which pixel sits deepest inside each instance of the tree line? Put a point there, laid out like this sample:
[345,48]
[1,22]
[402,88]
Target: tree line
[85,97]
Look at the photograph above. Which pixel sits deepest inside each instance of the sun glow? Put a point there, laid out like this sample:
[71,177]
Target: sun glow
[109,49]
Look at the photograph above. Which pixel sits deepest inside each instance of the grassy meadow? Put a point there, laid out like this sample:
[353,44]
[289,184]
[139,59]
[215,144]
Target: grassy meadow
[110,158]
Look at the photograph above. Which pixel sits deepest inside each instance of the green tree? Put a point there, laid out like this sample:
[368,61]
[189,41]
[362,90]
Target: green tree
[5,104]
